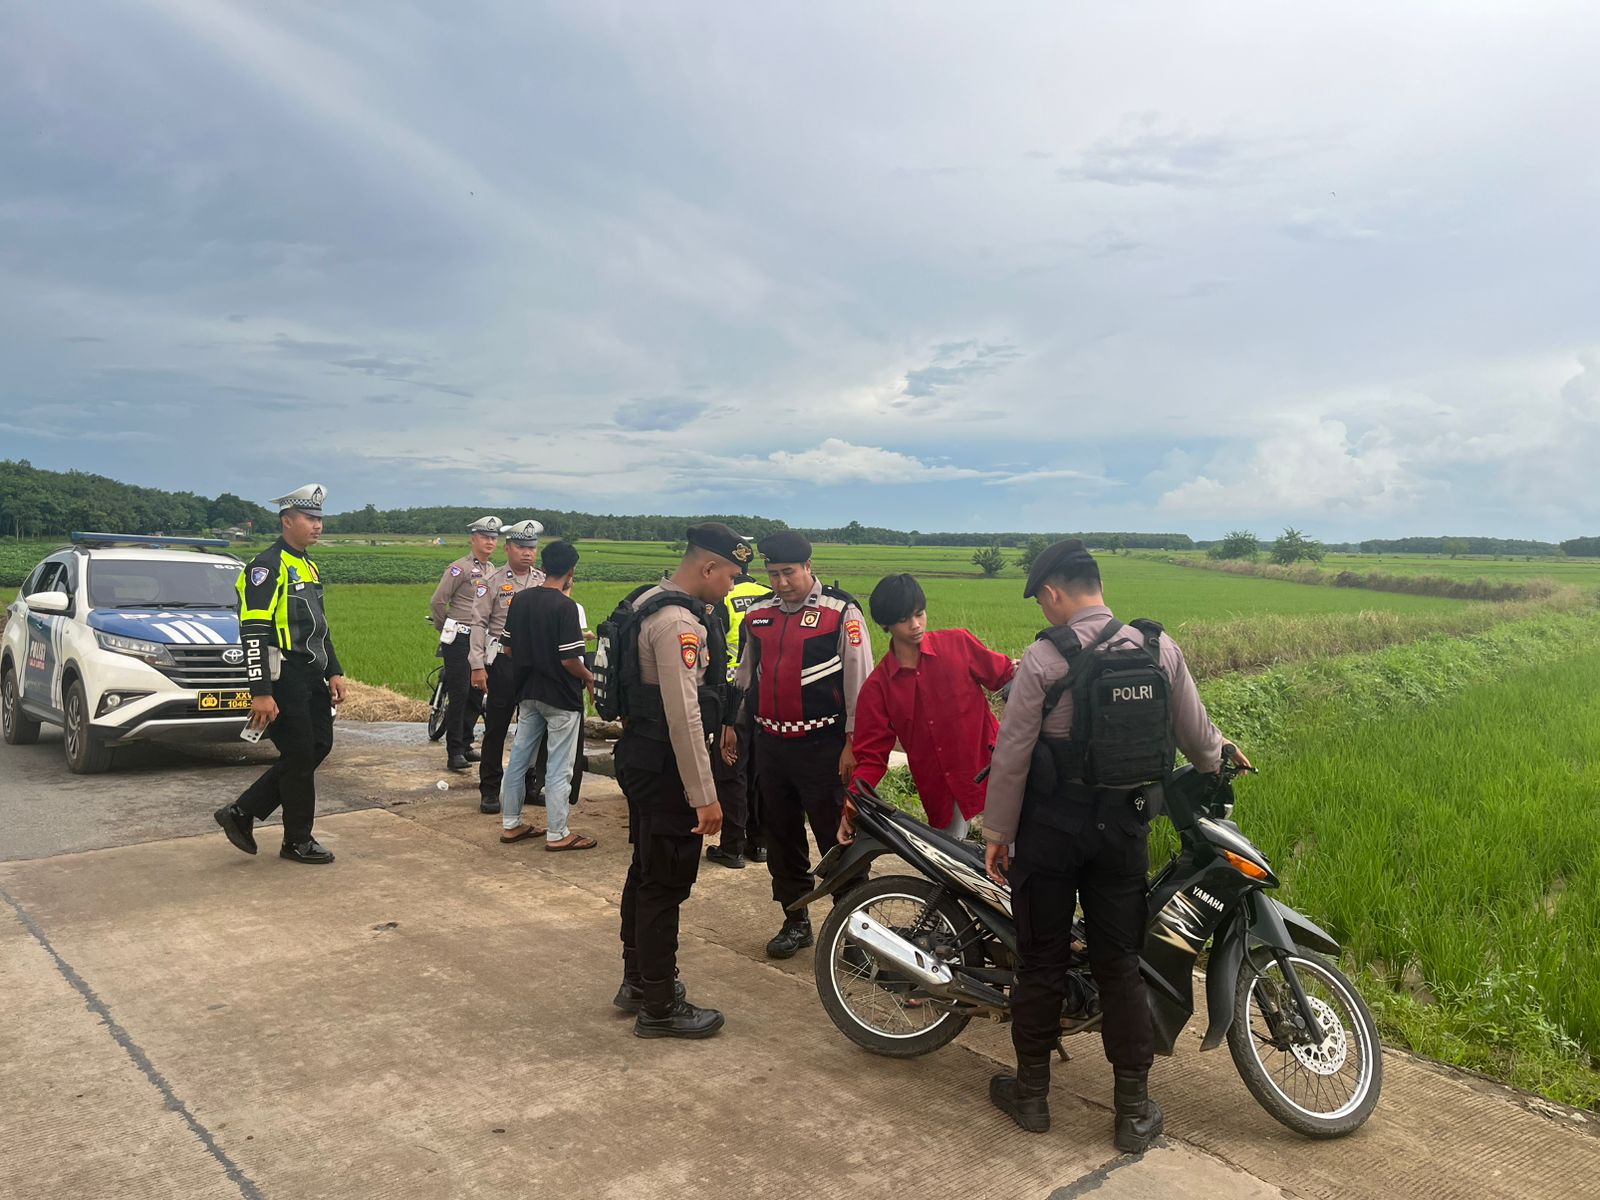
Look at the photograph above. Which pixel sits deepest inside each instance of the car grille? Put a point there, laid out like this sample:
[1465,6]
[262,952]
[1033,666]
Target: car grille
[202,667]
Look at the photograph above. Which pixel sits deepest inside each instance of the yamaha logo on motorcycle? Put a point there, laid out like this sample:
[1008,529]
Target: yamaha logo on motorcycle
[905,961]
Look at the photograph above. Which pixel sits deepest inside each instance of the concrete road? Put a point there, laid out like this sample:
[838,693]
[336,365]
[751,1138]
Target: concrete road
[429,1017]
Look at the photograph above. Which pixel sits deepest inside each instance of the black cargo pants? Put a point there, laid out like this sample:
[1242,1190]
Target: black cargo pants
[1102,865]
[738,794]
[800,785]
[665,864]
[463,702]
[303,734]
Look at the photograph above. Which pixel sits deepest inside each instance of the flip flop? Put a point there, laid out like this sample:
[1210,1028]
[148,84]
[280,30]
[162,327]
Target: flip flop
[576,842]
[516,835]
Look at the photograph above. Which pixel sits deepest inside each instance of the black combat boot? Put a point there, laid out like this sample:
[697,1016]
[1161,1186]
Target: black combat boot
[1139,1120]
[1025,1096]
[667,1015]
[792,938]
[630,996]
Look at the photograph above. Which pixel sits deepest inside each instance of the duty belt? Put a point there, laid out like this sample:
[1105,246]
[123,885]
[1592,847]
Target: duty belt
[782,727]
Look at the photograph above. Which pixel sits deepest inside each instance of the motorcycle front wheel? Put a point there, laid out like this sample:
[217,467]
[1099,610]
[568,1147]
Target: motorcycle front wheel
[871,1004]
[1326,1090]
[436,709]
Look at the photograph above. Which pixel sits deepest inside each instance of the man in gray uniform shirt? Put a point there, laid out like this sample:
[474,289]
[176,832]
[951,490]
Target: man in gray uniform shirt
[1077,842]
[462,589]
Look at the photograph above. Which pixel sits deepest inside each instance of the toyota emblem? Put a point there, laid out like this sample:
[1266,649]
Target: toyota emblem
[233,656]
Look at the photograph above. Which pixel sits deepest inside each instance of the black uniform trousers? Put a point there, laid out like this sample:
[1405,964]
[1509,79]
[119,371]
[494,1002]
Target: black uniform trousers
[499,706]
[1102,865]
[463,702]
[799,781]
[303,734]
[738,793]
[666,862]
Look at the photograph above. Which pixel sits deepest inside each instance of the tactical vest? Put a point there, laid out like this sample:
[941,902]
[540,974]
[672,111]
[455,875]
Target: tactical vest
[800,686]
[1121,740]
[627,696]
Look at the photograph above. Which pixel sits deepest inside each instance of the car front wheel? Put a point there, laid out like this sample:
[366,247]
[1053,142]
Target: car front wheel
[85,755]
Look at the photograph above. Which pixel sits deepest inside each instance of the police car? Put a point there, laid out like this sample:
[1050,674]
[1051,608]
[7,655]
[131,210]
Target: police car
[120,639]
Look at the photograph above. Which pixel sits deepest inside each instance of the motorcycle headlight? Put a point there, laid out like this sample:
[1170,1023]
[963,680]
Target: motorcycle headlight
[153,653]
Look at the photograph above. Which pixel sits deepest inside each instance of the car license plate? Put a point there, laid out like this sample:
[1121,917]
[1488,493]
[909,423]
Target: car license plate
[225,701]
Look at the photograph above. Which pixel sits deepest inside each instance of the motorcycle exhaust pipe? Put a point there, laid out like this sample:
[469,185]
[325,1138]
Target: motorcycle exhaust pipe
[931,975]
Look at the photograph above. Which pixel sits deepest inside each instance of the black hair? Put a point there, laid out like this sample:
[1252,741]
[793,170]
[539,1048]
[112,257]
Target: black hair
[895,598]
[1075,569]
[558,559]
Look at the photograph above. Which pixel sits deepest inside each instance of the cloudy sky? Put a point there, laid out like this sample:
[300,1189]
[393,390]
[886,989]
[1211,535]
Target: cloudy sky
[1139,266]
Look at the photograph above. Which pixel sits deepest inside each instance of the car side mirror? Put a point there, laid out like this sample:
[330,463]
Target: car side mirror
[48,603]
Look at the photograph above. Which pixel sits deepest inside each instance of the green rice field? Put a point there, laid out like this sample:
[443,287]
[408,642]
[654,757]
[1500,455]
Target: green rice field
[382,639]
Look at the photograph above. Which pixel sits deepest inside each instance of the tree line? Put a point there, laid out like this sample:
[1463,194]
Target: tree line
[38,503]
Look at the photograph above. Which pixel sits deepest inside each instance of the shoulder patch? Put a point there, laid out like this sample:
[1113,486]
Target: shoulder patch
[852,630]
[689,649]
[454,570]
[258,576]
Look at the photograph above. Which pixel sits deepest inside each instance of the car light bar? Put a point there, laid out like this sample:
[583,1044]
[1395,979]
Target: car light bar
[81,538]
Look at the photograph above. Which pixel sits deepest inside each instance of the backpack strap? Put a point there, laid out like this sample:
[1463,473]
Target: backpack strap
[1152,631]
[1067,644]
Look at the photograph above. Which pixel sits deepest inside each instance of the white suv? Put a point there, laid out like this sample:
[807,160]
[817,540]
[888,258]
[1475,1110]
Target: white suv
[120,639]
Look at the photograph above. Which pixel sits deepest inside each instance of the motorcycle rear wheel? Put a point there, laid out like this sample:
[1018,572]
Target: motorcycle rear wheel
[1323,1091]
[879,1018]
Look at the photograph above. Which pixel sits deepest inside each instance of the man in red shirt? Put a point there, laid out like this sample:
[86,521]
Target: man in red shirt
[929,692]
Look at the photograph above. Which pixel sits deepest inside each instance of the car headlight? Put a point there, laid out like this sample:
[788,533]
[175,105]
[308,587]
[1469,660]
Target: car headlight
[153,653]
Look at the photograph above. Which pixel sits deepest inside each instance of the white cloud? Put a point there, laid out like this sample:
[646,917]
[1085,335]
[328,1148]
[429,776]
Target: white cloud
[836,461]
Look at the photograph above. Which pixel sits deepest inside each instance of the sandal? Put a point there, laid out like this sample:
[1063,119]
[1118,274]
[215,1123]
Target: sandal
[517,834]
[573,841]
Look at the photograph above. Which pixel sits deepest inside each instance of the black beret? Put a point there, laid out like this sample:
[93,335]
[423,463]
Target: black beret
[785,546]
[1060,558]
[720,539]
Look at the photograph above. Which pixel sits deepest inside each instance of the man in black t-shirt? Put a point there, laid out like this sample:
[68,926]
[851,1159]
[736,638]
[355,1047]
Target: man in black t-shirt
[547,645]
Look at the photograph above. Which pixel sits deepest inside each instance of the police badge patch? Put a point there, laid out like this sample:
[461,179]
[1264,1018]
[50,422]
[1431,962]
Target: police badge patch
[258,576]
[811,619]
[852,630]
[689,649]
[482,590]
[455,570]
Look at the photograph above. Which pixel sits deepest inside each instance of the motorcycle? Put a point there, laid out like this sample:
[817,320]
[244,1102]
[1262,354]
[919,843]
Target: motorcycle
[904,962]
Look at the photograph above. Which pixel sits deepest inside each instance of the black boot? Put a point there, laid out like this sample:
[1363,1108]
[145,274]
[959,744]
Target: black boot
[679,1019]
[1025,1096]
[1139,1120]
[793,937]
[630,996]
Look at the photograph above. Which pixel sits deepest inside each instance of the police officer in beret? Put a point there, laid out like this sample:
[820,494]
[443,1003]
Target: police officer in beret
[806,652]
[294,676]
[676,711]
[1072,842]
[455,609]
[491,655]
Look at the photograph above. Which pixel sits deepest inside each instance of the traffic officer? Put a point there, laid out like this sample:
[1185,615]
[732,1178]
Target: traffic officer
[294,676]
[736,785]
[1078,843]
[491,656]
[664,765]
[462,588]
[806,653]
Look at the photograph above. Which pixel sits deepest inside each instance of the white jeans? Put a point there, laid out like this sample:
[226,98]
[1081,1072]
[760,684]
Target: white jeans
[534,718]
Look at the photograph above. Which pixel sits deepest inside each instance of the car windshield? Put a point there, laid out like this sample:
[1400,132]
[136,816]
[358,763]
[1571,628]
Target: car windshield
[163,583]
